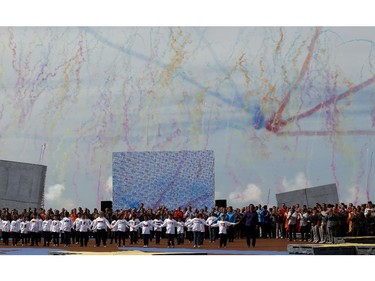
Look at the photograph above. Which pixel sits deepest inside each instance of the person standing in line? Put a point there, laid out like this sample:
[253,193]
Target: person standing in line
[34,230]
[133,229]
[211,231]
[5,230]
[304,225]
[113,232]
[180,232]
[231,217]
[292,223]
[40,226]
[121,225]
[15,229]
[157,229]
[76,226]
[55,230]
[24,230]
[66,228]
[100,224]
[323,224]
[146,225]
[46,230]
[314,220]
[189,228]
[251,224]
[223,225]
[83,229]
[170,224]
[197,223]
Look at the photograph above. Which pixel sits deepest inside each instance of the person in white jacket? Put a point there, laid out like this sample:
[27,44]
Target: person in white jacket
[76,228]
[211,231]
[170,232]
[83,230]
[180,232]
[5,230]
[66,229]
[197,224]
[46,230]
[146,226]
[223,225]
[15,229]
[157,229]
[121,225]
[24,231]
[101,224]
[34,230]
[55,230]
[133,229]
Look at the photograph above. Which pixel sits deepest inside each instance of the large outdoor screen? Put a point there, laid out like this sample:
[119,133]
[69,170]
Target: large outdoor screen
[169,178]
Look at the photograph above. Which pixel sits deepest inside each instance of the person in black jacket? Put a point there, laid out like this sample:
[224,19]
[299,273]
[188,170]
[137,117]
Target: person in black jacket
[251,225]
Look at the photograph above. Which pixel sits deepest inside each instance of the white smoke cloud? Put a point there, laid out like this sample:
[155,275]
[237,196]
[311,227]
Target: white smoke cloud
[54,192]
[300,181]
[108,187]
[54,198]
[356,196]
[243,197]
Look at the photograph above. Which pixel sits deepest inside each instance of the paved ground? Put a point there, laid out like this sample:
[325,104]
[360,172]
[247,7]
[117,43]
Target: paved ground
[263,246]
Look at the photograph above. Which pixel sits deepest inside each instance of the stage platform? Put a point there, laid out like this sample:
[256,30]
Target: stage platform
[364,245]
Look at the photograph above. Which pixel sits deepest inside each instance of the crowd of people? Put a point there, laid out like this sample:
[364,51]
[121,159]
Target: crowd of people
[318,224]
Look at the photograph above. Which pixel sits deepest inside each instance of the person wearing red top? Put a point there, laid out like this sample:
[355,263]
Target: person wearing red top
[178,214]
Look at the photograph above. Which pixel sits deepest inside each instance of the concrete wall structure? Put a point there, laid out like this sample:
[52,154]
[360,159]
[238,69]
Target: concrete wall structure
[21,185]
[309,196]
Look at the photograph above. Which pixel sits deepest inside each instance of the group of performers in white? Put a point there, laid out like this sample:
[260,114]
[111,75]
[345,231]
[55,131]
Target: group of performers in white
[53,230]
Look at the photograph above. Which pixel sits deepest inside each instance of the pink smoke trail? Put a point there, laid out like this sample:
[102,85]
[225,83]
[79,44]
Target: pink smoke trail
[368,179]
[98,197]
[42,150]
[333,167]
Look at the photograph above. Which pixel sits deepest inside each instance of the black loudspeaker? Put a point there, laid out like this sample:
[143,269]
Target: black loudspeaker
[221,203]
[105,204]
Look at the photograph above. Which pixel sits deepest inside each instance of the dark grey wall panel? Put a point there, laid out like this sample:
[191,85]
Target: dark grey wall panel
[21,185]
[309,196]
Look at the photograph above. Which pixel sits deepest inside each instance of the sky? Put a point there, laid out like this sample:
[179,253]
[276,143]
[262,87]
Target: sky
[73,93]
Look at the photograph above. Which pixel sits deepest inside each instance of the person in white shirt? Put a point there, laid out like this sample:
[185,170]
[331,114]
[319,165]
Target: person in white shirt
[34,230]
[211,231]
[46,230]
[197,224]
[189,228]
[157,229]
[170,232]
[292,223]
[83,230]
[146,226]
[121,225]
[40,222]
[55,230]
[223,225]
[6,230]
[15,229]
[100,224]
[24,230]
[66,229]
[76,227]
[113,232]
[180,232]
[369,210]
[133,229]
